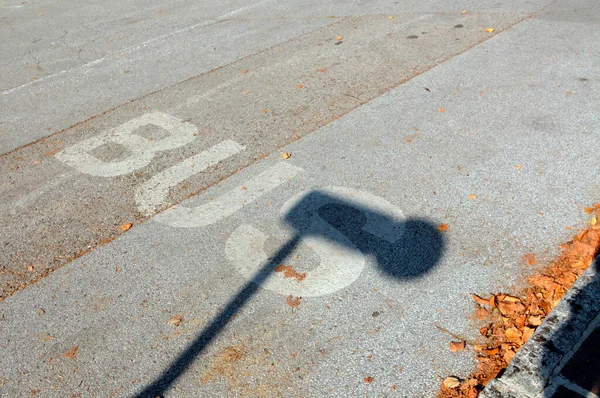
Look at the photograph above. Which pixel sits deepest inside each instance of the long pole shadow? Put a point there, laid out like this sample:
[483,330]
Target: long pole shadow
[403,249]
[210,332]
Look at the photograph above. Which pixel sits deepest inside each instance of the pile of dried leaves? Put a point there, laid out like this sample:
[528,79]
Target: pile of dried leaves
[512,319]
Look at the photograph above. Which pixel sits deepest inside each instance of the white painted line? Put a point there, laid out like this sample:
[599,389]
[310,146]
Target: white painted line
[152,194]
[224,206]
[242,9]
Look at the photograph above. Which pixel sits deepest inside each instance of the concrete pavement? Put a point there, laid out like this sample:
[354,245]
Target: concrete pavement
[324,273]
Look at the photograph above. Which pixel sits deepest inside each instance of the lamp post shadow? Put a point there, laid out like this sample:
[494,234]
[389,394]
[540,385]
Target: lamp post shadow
[403,249]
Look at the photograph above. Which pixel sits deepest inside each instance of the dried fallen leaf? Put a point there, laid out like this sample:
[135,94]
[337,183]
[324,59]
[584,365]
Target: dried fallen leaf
[340,38]
[443,227]
[391,17]
[289,272]
[480,300]
[321,70]
[300,85]
[535,320]
[126,226]
[245,92]
[41,311]
[492,352]
[463,12]
[265,110]
[286,155]
[293,301]
[569,92]
[511,299]
[176,320]
[472,196]
[72,353]
[489,30]
[451,382]
[456,346]
[442,110]
[593,221]
[481,314]
[244,71]
[513,335]
[118,269]
[527,333]
[518,167]
[368,380]
[508,356]
[589,210]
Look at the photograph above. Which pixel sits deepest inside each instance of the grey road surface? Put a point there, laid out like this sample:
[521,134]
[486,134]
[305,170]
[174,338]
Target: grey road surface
[286,207]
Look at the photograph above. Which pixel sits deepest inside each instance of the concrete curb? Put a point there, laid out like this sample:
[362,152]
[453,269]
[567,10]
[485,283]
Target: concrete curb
[534,371]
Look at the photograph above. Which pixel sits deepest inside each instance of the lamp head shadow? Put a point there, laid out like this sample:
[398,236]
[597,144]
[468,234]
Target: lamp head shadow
[404,248]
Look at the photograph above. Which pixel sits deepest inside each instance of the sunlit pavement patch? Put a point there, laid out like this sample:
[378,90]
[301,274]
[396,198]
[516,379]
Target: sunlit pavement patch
[69,193]
[166,309]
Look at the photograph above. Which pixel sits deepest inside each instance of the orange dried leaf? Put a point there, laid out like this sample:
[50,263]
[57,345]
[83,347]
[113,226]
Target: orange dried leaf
[489,30]
[286,155]
[443,227]
[293,301]
[480,300]
[492,352]
[72,353]
[456,346]
[368,380]
[513,335]
[511,299]
[442,110]
[300,85]
[527,333]
[451,382]
[176,320]
[290,272]
[508,356]
[481,314]
[126,226]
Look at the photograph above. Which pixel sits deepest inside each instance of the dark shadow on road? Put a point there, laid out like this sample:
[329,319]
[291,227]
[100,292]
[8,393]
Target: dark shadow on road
[403,249]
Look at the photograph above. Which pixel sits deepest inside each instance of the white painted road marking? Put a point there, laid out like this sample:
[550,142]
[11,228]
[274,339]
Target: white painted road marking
[152,193]
[341,262]
[142,150]
[224,206]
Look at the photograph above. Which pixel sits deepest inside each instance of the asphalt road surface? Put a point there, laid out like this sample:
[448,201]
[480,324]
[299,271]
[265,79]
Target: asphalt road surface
[279,198]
